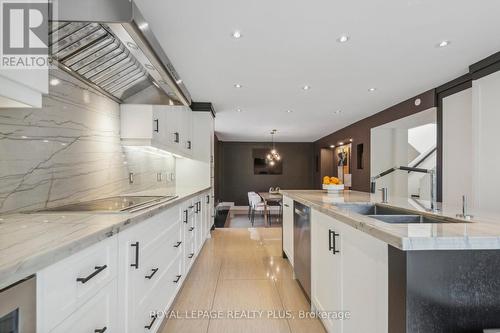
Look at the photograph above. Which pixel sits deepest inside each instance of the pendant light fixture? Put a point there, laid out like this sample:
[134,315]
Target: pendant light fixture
[273,156]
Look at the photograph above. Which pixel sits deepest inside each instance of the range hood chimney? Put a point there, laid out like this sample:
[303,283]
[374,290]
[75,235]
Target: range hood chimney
[109,45]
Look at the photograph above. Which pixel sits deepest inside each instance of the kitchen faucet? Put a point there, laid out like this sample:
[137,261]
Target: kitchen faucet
[433,174]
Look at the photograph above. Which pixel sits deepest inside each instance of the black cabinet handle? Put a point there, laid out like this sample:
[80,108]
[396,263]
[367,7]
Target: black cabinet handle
[208,199]
[102,330]
[186,216]
[153,272]
[98,269]
[177,278]
[157,125]
[177,137]
[197,210]
[286,205]
[151,323]
[189,145]
[136,264]
[178,244]
[191,229]
[332,241]
[191,207]
[191,255]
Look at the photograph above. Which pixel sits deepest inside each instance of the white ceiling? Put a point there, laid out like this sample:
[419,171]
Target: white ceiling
[288,43]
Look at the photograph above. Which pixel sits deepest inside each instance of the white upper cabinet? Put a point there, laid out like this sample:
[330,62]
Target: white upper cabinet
[23,88]
[203,136]
[164,127]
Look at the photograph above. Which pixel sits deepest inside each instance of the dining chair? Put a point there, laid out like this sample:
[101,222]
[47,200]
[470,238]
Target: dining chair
[257,205]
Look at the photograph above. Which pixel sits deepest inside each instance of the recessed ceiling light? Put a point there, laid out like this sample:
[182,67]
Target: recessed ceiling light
[337,112]
[236,34]
[239,110]
[306,87]
[444,43]
[343,39]
[332,146]
[237,85]
[341,143]
[289,111]
[372,89]
[54,82]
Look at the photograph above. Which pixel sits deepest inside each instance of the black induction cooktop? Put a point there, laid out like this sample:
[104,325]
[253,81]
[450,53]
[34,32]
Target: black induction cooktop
[113,204]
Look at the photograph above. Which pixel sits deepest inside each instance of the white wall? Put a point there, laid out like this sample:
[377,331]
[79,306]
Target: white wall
[486,138]
[458,156]
[390,148]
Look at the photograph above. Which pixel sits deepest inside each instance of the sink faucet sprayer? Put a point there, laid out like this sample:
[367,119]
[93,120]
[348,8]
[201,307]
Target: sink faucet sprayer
[432,173]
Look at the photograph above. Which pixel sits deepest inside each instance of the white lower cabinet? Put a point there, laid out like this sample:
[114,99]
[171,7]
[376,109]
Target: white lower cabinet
[121,283]
[349,272]
[288,228]
[64,287]
[98,315]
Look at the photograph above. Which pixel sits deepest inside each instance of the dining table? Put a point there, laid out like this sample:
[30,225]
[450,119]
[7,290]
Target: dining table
[268,197]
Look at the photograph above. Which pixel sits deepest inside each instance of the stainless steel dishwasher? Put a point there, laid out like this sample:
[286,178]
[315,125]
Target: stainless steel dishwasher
[302,246]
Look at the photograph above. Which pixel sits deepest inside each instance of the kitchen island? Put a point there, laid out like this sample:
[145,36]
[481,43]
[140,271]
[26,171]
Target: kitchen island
[398,277]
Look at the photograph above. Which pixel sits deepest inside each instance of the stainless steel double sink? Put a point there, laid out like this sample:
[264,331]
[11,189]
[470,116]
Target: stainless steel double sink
[393,215]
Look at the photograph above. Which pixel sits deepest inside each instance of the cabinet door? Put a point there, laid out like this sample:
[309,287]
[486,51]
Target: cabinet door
[173,130]
[159,127]
[186,128]
[364,281]
[326,278]
[288,228]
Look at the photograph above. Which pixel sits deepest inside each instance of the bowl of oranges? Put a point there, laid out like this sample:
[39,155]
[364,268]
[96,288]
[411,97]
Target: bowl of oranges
[332,184]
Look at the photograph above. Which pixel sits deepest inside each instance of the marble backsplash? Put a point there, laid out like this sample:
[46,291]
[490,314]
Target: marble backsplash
[70,151]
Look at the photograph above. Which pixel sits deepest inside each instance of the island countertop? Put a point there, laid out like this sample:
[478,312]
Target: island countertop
[477,234]
[31,242]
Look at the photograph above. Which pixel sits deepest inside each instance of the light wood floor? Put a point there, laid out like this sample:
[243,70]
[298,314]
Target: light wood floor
[242,269]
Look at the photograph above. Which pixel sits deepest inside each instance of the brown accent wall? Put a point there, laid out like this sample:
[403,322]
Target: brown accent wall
[236,175]
[360,133]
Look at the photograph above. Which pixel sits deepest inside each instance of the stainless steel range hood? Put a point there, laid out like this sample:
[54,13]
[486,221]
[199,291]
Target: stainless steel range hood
[108,45]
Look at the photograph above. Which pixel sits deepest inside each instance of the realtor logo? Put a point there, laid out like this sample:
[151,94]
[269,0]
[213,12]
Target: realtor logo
[25,33]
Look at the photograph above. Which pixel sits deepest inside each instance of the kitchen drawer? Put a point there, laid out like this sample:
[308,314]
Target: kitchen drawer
[159,299]
[65,286]
[99,314]
[189,254]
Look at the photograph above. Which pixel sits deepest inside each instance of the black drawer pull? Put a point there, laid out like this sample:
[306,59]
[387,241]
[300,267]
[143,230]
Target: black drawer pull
[191,207]
[154,271]
[177,278]
[332,241]
[151,323]
[208,199]
[102,330]
[286,205]
[185,216]
[191,255]
[136,263]
[157,125]
[98,269]
[189,145]
[177,137]
[178,244]
[191,229]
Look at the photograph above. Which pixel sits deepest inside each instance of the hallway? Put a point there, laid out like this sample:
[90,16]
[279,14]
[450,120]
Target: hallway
[242,270]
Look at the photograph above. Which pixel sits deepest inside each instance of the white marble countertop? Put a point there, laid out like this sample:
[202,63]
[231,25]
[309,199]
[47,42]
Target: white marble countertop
[31,242]
[477,234]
